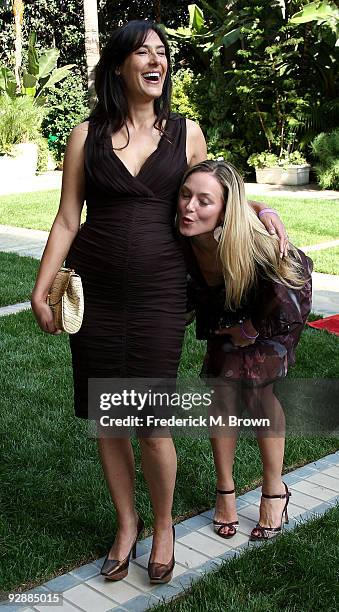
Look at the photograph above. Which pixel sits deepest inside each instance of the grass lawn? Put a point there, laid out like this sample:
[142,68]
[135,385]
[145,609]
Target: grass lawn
[326,261]
[56,511]
[17,277]
[307,221]
[35,210]
[298,572]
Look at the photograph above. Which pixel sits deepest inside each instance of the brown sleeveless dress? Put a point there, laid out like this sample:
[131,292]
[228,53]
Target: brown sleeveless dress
[131,265]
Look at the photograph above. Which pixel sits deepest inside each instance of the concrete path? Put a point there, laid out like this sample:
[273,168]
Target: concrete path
[22,241]
[32,242]
[307,192]
[320,247]
[325,294]
[52,180]
[41,182]
[198,550]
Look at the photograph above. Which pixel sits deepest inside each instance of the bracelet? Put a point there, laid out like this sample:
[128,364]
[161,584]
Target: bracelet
[244,335]
[267,210]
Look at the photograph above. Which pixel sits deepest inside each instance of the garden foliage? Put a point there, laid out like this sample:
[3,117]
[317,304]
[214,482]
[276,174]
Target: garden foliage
[67,106]
[270,73]
[258,76]
[326,151]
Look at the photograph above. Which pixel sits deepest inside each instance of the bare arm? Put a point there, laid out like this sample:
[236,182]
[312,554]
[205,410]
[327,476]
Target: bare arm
[196,149]
[65,226]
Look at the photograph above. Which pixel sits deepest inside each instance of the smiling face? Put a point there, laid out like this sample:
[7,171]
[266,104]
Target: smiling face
[201,204]
[144,70]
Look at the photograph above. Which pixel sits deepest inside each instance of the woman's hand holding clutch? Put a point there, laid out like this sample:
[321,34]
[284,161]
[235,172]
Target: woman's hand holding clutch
[44,316]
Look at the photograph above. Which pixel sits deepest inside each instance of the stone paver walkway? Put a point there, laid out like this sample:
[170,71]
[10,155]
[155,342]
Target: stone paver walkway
[198,550]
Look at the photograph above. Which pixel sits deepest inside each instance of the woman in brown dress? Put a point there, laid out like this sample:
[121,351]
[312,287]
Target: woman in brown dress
[127,162]
[238,282]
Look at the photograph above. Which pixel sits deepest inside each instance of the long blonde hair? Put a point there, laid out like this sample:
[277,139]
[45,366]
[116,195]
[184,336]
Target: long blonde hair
[245,247]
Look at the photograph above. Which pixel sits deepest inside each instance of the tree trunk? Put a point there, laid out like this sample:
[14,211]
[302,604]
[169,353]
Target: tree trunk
[18,11]
[91,44]
[157,11]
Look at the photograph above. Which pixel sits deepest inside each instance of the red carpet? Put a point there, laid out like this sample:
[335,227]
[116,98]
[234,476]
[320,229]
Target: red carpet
[329,323]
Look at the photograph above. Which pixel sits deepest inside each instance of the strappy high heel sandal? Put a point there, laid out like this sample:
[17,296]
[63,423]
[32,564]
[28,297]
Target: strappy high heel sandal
[113,569]
[266,533]
[232,526]
[161,573]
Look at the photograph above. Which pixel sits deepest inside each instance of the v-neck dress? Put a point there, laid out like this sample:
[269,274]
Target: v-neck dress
[131,265]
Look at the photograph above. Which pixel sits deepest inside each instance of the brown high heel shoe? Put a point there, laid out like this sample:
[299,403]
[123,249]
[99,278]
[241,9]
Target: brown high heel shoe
[266,533]
[232,526]
[113,569]
[160,573]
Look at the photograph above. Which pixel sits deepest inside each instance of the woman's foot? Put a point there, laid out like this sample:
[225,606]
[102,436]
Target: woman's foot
[159,571]
[162,545]
[225,512]
[124,538]
[273,506]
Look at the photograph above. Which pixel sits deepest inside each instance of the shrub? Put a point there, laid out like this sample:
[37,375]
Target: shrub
[184,96]
[43,152]
[20,121]
[67,106]
[201,98]
[325,147]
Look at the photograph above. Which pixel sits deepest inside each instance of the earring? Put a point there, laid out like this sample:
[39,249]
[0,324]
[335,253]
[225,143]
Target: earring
[117,72]
[217,233]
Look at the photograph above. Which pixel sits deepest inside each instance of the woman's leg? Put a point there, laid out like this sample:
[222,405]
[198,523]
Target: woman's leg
[263,403]
[117,460]
[224,441]
[159,463]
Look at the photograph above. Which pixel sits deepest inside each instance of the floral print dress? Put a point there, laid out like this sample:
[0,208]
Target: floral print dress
[277,312]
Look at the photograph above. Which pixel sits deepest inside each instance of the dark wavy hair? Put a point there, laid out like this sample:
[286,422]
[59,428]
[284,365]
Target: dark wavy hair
[111,108]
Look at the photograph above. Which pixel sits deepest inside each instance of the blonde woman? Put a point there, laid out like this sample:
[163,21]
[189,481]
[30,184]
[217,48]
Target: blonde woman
[251,305]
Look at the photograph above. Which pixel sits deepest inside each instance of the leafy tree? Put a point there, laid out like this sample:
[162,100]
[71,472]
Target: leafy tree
[91,44]
[39,75]
[60,23]
[269,76]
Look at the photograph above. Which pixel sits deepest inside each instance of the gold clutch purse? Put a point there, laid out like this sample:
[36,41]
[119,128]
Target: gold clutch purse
[66,299]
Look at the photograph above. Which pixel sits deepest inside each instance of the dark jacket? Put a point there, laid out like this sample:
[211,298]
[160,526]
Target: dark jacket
[274,309]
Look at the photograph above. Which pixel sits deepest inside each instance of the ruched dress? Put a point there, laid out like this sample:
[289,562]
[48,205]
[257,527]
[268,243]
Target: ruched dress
[131,265]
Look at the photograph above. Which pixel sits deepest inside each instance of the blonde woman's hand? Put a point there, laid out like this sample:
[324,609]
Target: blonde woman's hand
[236,336]
[44,316]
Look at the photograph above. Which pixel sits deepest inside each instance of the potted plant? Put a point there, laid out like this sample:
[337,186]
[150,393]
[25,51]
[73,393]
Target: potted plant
[285,169]
[20,122]
[22,108]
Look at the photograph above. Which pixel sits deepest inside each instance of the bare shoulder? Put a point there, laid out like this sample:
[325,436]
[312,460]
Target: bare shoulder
[81,127]
[195,143]
[76,140]
[193,129]
[79,132]
[73,165]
